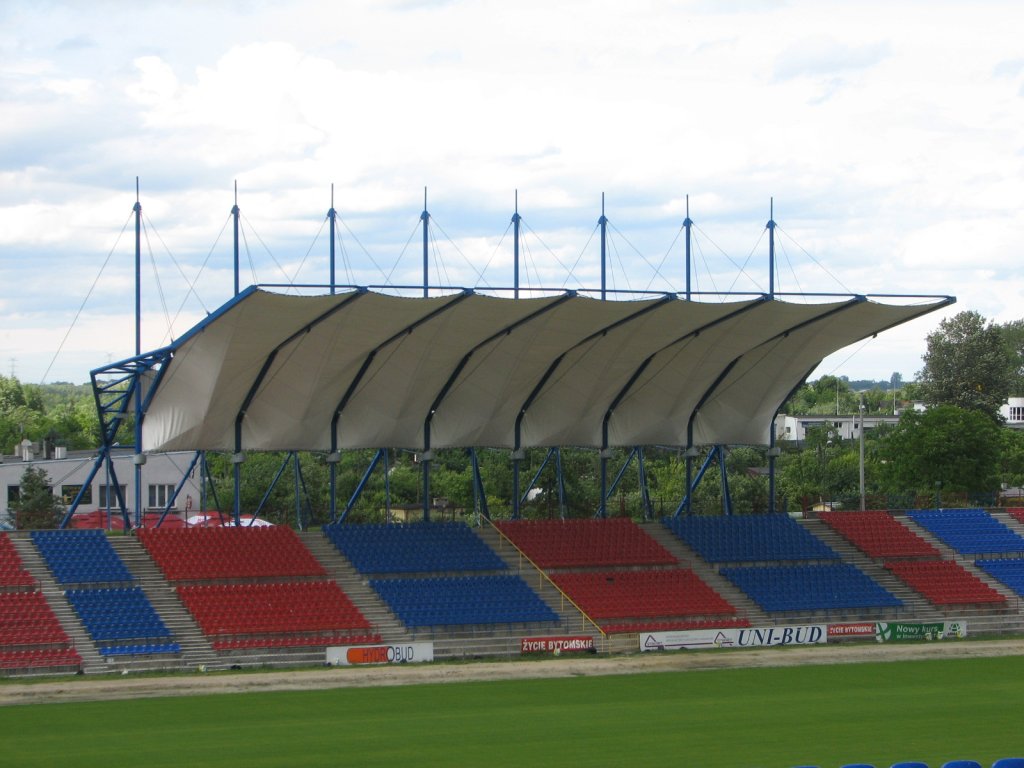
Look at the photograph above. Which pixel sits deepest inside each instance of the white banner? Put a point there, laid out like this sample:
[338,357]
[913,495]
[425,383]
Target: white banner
[403,653]
[747,637]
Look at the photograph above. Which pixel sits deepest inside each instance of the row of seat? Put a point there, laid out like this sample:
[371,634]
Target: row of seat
[139,649]
[463,600]
[26,619]
[634,627]
[41,658]
[12,570]
[944,582]
[878,534]
[622,595]
[585,542]
[295,641]
[117,614]
[810,587]
[749,538]
[427,547]
[199,554]
[1010,571]
[272,608]
[81,557]
[969,531]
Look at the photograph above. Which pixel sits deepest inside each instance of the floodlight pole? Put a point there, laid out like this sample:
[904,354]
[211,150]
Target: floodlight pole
[602,509]
[516,219]
[517,453]
[237,458]
[687,224]
[772,452]
[332,216]
[425,218]
[771,249]
[234,215]
[140,457]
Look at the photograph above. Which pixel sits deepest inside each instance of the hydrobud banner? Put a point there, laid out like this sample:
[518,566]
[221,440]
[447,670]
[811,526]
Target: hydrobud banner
[399,653]
[939,630]
[746,637]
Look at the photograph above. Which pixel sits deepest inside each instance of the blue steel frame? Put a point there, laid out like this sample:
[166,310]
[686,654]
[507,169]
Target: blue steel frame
[128,386]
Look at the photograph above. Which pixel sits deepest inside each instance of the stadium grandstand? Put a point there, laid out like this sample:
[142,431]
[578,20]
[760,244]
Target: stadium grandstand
[355,368]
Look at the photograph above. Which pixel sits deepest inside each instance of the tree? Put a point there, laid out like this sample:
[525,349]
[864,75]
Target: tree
[966,365]
[947,447]
[36,507]
[1013,340]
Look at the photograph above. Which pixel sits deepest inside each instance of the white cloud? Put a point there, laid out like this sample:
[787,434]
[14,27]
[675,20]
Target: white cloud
[887,134]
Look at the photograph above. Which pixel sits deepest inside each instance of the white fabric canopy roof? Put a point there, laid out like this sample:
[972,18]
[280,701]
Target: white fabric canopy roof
[367,370]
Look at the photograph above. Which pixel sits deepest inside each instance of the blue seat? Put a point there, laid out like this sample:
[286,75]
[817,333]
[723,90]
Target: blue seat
[909,764]
[858,765]
[1009,762]
[961,764]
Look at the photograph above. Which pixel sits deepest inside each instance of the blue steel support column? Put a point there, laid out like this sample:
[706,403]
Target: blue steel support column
[726,496]
[561,482]
[426,485]
[298,497]
[332,216]
[362,483]
[645,491]
[517,459]
[332,463]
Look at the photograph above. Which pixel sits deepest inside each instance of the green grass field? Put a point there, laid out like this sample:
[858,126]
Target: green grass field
[817,715]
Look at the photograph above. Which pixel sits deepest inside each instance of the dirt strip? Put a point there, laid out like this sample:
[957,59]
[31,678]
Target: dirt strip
[197,683]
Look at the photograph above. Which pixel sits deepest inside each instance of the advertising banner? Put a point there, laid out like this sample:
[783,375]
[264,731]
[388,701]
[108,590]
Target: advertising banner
[401,653]
[558,645]
[863,629]
[747,637]
[938,630]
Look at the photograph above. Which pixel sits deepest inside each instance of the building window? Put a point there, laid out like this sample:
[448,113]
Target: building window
[13,494]
[68,493]
[160,494]
[1016,413]
[112,501]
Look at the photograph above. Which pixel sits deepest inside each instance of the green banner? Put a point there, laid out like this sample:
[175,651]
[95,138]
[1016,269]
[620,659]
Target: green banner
[894,631]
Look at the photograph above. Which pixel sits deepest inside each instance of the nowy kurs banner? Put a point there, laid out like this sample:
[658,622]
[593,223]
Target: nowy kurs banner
[938,630]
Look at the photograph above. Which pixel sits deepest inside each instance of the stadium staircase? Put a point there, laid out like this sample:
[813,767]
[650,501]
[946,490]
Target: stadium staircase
[688,558]
[54,594]
[356,586]
[573,621]
[916,608]
[196,651]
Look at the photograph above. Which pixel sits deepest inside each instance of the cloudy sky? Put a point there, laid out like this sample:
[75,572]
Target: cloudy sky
[888,134]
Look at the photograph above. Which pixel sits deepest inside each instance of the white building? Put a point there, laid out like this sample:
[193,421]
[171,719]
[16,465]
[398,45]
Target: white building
[68,470]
